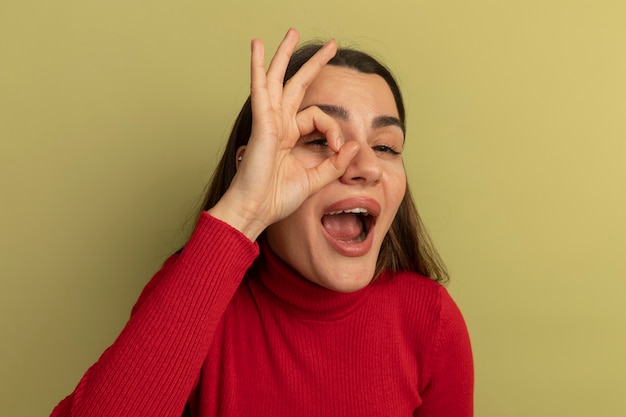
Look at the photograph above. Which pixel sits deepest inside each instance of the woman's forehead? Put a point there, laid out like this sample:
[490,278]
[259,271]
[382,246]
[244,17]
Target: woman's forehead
[351,91]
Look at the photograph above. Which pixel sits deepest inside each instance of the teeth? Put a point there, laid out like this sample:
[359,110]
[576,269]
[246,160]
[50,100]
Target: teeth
[358,210]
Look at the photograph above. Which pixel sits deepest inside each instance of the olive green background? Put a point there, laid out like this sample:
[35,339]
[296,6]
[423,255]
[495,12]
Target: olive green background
[113,114]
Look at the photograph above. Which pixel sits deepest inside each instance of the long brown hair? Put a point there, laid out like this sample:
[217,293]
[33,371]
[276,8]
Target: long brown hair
[407,246]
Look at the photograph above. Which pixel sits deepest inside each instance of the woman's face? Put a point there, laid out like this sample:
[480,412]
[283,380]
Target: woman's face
[335,236]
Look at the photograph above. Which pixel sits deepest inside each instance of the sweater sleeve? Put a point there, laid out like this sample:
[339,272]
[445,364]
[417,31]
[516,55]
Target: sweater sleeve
[450,390]
[155,362]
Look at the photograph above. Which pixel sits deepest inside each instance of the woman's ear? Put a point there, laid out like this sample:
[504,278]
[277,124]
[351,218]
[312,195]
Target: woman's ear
[239,155]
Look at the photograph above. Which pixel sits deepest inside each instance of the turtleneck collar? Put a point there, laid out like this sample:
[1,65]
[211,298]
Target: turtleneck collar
[302,297]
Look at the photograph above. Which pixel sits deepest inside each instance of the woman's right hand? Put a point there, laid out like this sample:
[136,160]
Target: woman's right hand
[270,182]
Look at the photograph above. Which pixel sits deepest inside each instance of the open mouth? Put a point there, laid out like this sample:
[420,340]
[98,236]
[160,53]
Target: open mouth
[350,225]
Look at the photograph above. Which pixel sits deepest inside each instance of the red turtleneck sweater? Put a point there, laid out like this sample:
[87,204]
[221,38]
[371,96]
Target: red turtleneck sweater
[270,343]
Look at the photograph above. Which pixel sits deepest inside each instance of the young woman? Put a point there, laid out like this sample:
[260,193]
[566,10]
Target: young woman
[308,286]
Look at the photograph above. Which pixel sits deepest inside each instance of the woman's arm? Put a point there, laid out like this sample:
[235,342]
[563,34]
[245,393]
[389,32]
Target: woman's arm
[155,362]
[450,390]
[153,365]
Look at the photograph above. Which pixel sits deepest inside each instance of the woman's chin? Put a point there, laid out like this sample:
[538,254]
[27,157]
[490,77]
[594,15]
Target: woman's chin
[345,278]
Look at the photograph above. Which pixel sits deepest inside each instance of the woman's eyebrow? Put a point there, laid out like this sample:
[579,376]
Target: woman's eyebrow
[341,113]
[384,121]
[338,112]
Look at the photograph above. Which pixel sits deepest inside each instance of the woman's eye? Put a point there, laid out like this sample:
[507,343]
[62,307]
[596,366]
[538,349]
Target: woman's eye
[386,149]
[317,142]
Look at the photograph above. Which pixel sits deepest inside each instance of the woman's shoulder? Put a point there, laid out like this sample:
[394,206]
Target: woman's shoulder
[419,300]
[410,285]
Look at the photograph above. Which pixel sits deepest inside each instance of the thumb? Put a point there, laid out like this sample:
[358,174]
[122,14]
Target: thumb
[333,167]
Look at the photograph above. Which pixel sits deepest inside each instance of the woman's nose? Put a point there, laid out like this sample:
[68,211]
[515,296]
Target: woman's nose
[365,167]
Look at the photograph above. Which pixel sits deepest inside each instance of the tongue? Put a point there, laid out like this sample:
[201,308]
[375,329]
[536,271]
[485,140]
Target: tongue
[344,226]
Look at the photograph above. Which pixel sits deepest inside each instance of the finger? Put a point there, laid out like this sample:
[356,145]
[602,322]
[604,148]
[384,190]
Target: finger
[314,119]
[295,88]
[283,53]
[332,168]
[279,63]
[258,80]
